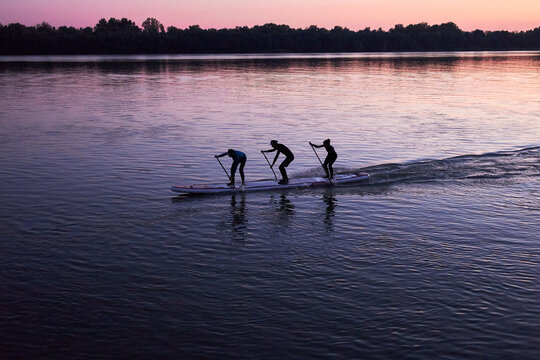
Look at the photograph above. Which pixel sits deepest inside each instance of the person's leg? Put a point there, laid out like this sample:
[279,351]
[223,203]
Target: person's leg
[326,168]
[285,178]
[241,169]
[282,167]
[330,165]
[233,171]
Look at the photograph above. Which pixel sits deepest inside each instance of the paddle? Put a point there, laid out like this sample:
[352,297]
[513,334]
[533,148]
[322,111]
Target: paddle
[271,168]
[223,168]
[313,148]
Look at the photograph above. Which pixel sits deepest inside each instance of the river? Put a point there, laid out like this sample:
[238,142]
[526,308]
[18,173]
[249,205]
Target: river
[438,256]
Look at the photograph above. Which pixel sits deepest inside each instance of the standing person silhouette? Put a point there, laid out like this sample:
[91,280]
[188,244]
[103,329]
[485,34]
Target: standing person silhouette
[330,158]
[289,157]
[238,158]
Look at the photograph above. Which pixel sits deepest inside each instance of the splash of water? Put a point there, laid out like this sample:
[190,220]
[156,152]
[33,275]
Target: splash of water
[490,166]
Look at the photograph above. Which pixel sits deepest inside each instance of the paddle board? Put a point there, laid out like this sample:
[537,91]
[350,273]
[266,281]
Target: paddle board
[261,185]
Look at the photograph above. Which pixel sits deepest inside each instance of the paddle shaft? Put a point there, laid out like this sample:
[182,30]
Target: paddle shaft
[313,148]
[271,168]
[223,167]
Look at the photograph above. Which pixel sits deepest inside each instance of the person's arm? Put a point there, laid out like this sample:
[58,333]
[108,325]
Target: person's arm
[275,159]
[218,156]
[268,150]
[317,146]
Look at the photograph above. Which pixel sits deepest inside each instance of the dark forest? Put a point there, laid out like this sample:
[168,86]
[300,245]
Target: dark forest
[123,36]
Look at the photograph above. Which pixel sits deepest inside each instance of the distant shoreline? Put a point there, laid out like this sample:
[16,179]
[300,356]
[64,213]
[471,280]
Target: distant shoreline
[124,37]
[390,55]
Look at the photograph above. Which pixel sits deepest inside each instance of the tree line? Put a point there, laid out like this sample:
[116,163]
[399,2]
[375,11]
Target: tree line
[123,36]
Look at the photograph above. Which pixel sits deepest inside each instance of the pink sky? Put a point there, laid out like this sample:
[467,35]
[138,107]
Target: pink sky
[354,14]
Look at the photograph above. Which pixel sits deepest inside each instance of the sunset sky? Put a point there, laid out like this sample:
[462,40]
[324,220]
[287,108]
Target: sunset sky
[354,14]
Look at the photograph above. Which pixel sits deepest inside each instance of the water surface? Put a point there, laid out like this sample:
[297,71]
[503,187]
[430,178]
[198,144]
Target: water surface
[438,256]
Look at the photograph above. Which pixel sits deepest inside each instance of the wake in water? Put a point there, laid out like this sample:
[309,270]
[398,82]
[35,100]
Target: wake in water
[524,163]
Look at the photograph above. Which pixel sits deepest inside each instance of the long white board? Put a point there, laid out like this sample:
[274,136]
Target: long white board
[261,185]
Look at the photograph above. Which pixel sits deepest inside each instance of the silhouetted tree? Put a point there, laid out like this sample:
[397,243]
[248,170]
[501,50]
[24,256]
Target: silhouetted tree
[116,25]
[45,28]
[152,25]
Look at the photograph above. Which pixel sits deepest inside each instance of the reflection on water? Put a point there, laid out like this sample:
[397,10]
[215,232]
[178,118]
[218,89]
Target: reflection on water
[329,199]
[234,223]
[283,212]
[238,216]
[377,109]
